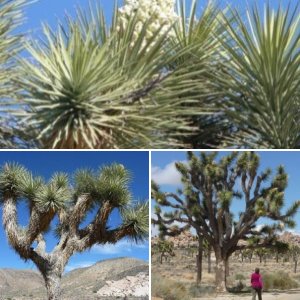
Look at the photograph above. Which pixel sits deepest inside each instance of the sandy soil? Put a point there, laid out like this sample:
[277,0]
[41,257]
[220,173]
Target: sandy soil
[266,296]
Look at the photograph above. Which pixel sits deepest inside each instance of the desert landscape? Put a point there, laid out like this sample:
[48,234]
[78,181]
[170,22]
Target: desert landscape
[176,276]
[121,278]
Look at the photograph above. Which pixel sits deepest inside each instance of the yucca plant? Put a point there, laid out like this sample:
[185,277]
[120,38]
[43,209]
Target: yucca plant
[204,32]
[57,203]
[97,86]
[260,78]
[11,17]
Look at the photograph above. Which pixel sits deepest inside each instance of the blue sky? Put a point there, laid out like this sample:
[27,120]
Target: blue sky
[45,163]
[51,10]
[164,173]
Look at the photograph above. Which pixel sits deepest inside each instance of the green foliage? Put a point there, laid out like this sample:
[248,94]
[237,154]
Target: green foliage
[91,86]
[11,176]
[113,184]
[137,217]
[52,197]
[11,44]
[214,79]
[239,277]
[165,246]
[110,183]
[261,79]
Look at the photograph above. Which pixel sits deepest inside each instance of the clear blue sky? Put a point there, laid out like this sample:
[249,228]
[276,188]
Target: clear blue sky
[163,170]
[45,164]
[51,10]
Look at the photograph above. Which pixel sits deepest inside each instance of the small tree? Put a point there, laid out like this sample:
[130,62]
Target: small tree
[261,253]
[165,248]
[280,248]
[295,254]
[205,203]
[100,192]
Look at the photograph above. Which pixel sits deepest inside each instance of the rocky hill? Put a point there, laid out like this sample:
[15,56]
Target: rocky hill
[290,238]
[185,239]
[109,279]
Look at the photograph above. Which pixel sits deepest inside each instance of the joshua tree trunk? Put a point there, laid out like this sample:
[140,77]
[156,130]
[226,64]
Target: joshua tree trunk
[199,260]
[220,274]
[51,266]
[227,267]
[209,260]
[295,266]
[52,280]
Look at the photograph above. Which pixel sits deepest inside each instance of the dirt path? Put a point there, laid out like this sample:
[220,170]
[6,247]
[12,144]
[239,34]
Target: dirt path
[293,295]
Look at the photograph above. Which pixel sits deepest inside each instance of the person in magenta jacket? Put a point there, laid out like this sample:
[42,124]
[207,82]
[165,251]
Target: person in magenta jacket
[256,284]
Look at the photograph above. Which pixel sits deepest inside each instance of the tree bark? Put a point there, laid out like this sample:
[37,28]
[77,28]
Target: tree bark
[52,280]
[209,260]
[295,266]
[220,275]
[227,267]
[199,260]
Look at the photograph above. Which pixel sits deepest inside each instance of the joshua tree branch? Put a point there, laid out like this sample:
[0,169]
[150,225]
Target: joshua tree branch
[39,222]
[79,212]
[15,234]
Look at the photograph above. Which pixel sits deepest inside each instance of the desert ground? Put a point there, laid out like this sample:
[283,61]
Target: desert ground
[294,295]
[179,272]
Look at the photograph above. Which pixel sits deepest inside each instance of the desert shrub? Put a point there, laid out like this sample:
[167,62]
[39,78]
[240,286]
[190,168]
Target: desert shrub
[168,289]
[196,291]
[240,277]
[280,281]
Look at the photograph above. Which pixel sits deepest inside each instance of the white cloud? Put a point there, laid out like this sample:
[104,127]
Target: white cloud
[83,264]
[259,227]
[166,175]
[119,248]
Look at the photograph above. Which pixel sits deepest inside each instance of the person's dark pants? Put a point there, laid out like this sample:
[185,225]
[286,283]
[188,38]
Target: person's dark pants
[256,291]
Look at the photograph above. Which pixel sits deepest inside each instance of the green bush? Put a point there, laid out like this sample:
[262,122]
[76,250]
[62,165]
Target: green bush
[240,277]
[168,289]
[278,280]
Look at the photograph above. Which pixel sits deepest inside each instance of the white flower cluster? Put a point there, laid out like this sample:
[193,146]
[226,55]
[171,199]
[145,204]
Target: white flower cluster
[161,12]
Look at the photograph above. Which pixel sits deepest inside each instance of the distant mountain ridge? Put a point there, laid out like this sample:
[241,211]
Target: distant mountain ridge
[289,237]
[78,284]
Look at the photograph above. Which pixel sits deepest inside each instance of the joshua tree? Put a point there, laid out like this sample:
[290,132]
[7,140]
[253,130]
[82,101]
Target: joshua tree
[294,251]
[246,253]
[165,248]
[205,203]
[262,253]
[280,248]
[100,192]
